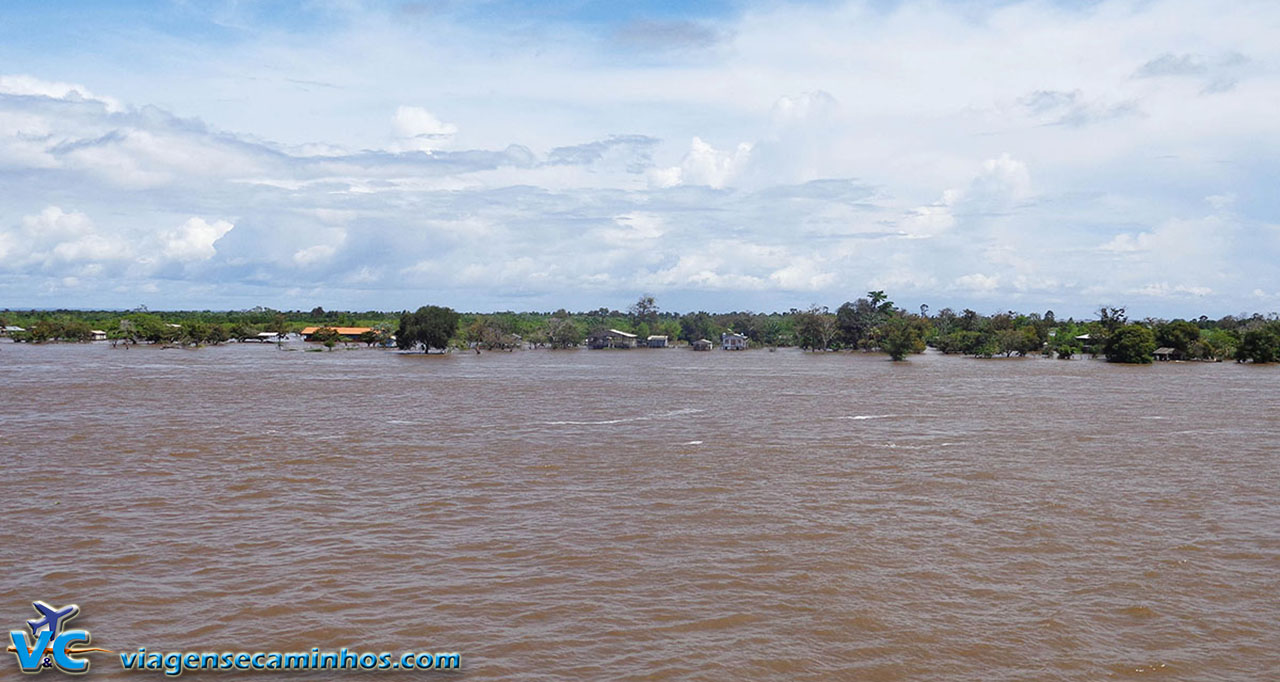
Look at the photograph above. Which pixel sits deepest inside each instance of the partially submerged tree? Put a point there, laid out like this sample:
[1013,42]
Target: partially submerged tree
[1259,346]
[902,335]
[699,325]
[857,320]
[1131,343]
[327,336]
[429,327]
[816,328]
[562,331]
[1180,335]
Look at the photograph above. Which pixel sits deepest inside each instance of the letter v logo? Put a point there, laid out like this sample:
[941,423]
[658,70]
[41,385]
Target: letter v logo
[29,656]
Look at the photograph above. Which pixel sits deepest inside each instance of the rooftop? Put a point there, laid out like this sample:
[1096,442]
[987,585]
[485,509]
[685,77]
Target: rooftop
[350,331]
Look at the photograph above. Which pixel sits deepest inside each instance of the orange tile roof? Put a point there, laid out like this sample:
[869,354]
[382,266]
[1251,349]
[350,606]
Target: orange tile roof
[350,331]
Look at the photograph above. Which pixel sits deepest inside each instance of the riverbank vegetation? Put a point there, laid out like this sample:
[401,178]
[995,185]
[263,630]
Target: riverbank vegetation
[872,323]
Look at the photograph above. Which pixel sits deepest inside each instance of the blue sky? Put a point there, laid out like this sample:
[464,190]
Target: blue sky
[725,156]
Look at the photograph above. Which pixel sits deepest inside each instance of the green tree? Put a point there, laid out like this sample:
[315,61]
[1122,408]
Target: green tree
[1009,341]
[1220,344]
[44,330]
[119,336]
[1112,319]
[1029,340]
[241,331]
[669,328]
[902,335]
[1131,343]
[857,321]
[429,327]
[193,332]
[959,341]
[327,336]
[151,328]
[383,333]
[1179,335]
[217,333]
[699,325]
[881,302]
[1259,346]
[76,330]
[562,331]
[644,311]
[279,326]
[491,332]
[474,333]
[815,328]
[854,320]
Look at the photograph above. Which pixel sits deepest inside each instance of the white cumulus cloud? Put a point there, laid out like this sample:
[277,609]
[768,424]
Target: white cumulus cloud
[417,129]
[193,240]
[977,282]
[54,238]
[705,165]
[27,85]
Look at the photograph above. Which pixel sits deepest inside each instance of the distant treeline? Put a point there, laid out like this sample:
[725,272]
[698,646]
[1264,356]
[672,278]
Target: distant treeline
[871,323]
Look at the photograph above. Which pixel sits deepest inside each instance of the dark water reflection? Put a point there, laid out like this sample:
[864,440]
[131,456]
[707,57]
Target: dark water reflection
[651,514]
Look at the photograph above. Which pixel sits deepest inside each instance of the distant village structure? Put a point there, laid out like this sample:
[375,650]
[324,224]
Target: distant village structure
[348,333]
[875,325]
[733,341]
[611,338]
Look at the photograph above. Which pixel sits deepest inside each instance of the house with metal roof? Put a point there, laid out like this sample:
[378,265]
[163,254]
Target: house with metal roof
[733,341]
[611,338]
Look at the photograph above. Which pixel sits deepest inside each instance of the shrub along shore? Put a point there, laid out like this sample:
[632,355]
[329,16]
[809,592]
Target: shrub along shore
[871,323]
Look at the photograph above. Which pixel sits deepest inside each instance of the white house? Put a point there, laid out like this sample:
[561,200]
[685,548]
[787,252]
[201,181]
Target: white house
[733,341]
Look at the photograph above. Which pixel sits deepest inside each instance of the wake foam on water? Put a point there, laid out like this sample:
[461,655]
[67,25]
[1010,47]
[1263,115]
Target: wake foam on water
[923,446]
[623,420]
[861,417]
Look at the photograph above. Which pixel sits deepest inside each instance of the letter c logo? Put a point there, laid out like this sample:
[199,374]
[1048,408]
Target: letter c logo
[62,659]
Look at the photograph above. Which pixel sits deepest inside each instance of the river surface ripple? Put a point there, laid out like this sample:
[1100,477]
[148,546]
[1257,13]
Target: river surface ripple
[650,514]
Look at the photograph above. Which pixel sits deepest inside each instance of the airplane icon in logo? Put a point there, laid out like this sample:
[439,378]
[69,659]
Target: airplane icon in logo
[51,644]
[51,619]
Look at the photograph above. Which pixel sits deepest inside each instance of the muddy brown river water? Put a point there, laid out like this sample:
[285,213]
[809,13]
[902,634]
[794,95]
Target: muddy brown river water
[649,514]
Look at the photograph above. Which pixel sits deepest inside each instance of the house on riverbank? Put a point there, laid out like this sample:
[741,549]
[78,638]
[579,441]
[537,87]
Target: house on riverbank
[611,338]
[733,341]
[348,333]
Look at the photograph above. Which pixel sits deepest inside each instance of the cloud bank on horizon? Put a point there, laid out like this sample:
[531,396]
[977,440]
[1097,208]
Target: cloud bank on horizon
[488,156]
